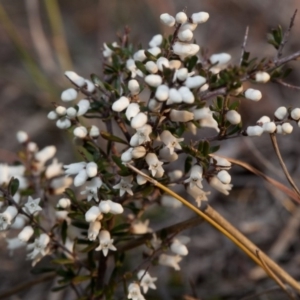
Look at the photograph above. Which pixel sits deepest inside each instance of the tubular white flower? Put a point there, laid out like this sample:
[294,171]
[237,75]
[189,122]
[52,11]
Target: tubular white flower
[68,95]
[154,51]
[91,189]
[174,64]
[139,120]
[167,19]
[104,206]
[80,132]
[269,127]
[263,119]
[147,282]
[151,67]
[220,58]
[115,208]
[198,194]
[219,186]
[295,114]
[7,216]
[185,35]
[134,292]
[220,161]
[74,168]
[124,185]
[141,136]
[254,130]
[170,141]
[166,156]
[281,112]
[94,132]
[45,154]
[25,234]
[153,80]
[154,164]
[224,177]
[89,86]
[39,248]
[93,231]
[81,178]
[120,104]
[194,82]
[52,115]
[181,115]
[162,92]
[252,94]
[178,248]
[64,203]
[138,152]
[195,178]
[200,17]
[92,214]
[133,87]
[127,155]
[233,117]
[170,261]
[63,123]
[91,169]
[139,55]
[205,116]
[75,78]
[83,106]
[262,77]
[162,62]
[156,41]
[181,17]
[22,137]
[185,50]
[287,128]
[187,95]
[105,242]
[174,96]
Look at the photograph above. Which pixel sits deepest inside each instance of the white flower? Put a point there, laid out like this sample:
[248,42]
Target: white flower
[19,222]
[124,185]
[233,117]
[139,55]
[120,104]
[151,67]
[107,52]
[220,161]
[140,179]
[108,206]
[167,19]
[187,95]
[127,155]
[75,78]
[174,64]
[200,17]
[194,82]
[131,66]
[58,185]
[153,80]
[181,17]
[80,132]
[279,129]
[170,141]
[198,194]
[154,51]
[224,177]
[7,216]
[90,87]
[140,227]
[170,261]
[205,116]
[93,214]
[254,130]
[138,152]
[185,35]
[13,244]
[32,205]
[133,87]
[52,115]
[162,92]
[252,94]
[141,136]
[262,120]
[71,112]
[295,114]
[220,59]
[81,178]
[181,74]
[155,166]
[105,242]
[219,186]
[181,115]
[39,248]
[281,113]
[63,123]
[154,105]
[287,128]
[139,120]
[68,95]
[91,169]
[269,127]
[91,189]
[134,292]
[22,137]
[74,168]
[162,62]
[174,96]
[146,281]
[83,106]
[93,231]
[195,178]
[45,154]
[156,41]
[165,155]
[25,234]
[60,110]
[185,50]
[64,203]
[178,248]
[94,132]
[262,77]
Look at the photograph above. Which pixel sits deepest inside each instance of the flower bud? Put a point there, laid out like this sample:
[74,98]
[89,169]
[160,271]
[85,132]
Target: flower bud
[133,87]
[90,86]
[254,130]
[224,177]
[151,67]
[182,74]
[52,115]
[91,169]
[204,87]
[60,110]
[181,17]
[233,117]
[174,64]
[120,104]
[154,51]
[178,248]
[254,95]
[185,35]
[93,231]
[94,132]
[154,105]
[162,62]
[83,107]
[263,119]
[141,179]
[280,113]
[22,137]
[68,95]
[139,120]
[174,96]
[80,132]
[32,147]
[26,234]
[45,154]
[139,55]
[220,59]
[185,50]
[295,114]
[80,178]
[104,206]
[127,155]
[262,77]
[200,17]
[269,127]
[162,92]
[64,203]
[181,115]
[75,78]
[156,41]
[287,128]
[167,19]
[92,214]
[279,129]
[194,82]
[132,110]
[71,112]
[138,152]
[63,123]
[115,208]
[187,95]
[153,80]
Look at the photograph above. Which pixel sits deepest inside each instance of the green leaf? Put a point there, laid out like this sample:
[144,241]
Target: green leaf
[220,102]
[64,228]
[205,149]
[63,261]
[13,186]
[150,56]
[121,227]
[80,224]
[97,81]
[191,63]
[109,137]
[214,149]
[188,164]
[90,247]
[141,67]
[118,162]
[79,279]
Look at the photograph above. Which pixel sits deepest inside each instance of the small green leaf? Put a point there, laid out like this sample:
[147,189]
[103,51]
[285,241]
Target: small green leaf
[97,81]
[107,136]
[214,149]
[13,185]
[79,279]
[90,247]
[191,63]
[63,261]
[205,150]
[188,164]
[141,67]
[121,227]
[220,102]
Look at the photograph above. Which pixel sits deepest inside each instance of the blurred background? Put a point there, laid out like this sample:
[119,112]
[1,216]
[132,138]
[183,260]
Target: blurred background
[42,39]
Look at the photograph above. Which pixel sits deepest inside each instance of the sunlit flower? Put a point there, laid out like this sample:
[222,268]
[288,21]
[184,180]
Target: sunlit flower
[94,229]
[170,141]
[105,242]
[32,205]
[124,185]
[195,178]
[155,165]
[39,248]
[219,186]
[134,292]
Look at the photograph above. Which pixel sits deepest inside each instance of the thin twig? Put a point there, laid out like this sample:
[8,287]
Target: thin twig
[244,44]
[285,38]
[288,58]
[288,85]
[283,166]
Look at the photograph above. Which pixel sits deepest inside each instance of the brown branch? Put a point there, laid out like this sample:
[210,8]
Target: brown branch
[288,58]
[244,44]
[288,85]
